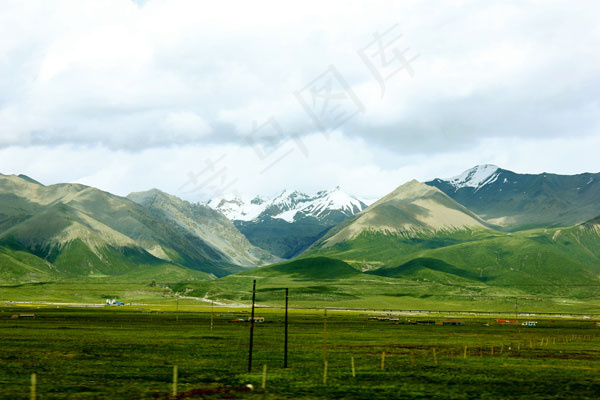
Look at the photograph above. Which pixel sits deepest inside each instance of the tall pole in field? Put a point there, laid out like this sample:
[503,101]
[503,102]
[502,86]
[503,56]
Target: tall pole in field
[212,310]
[516,309]
[325,336]
[285,347]
[252,326]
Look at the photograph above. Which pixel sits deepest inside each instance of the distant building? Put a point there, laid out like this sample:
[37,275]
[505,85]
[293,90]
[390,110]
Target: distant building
[455,323]
[529,323]
[256,319]
[23,315]
[114,302]
[507,322]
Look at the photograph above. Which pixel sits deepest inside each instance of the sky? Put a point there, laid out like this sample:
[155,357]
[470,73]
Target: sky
[201,99]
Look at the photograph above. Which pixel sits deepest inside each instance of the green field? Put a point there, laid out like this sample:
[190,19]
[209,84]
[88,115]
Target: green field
[316,283]
[129,353]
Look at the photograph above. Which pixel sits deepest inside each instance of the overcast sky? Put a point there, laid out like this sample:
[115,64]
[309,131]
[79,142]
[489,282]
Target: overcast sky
[197,98]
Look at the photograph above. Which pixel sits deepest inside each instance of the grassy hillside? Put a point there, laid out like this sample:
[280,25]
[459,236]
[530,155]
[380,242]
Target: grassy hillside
[81,231]
[19,265]
[562,261]
[413,210]
[324,282]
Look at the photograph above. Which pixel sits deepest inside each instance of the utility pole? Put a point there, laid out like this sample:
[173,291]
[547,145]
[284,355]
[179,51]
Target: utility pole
[325,335]
[285,349]
[252,326]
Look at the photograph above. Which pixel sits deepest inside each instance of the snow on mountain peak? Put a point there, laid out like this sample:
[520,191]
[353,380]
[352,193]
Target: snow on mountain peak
[287,204]
[233,206]
[476,177]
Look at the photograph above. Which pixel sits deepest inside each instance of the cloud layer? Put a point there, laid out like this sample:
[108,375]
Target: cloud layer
[170,78]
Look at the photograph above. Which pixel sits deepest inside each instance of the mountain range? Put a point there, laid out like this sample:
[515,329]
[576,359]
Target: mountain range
[288,223]
[485,228]
[421,233]
[68,230]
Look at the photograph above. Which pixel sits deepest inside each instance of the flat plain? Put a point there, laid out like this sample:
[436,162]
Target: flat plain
[129,353]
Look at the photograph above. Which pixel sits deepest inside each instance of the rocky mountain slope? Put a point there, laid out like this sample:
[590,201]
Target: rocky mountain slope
[521,201]
[413,209]
[205,223]
[76,230]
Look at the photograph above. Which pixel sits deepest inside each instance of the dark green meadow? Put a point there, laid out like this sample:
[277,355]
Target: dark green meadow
[124,353]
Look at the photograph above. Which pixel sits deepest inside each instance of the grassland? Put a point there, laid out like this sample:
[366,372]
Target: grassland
[127,352]
[313,283]
[561,261]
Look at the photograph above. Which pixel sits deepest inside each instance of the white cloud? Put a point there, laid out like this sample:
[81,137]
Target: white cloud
[348,162]
[129,83]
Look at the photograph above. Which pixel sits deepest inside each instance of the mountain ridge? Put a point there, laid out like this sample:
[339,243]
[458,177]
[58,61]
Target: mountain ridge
[288,223]
[523,201]
[411,209]
[88,231]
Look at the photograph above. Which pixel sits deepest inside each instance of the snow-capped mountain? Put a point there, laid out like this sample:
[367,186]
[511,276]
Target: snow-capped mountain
[517,201]
[288,223]
[476,177]
[288,206]
[238,208]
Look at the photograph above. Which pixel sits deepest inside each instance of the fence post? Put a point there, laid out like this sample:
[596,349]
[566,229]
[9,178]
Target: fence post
[382,360]
[175,378]
[434,356]
[325,372]
[325,335]
[33,389]
[353,367]
[212,311]
[264,377]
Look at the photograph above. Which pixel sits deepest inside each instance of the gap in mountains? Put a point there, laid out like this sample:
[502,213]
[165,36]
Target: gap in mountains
[287,224]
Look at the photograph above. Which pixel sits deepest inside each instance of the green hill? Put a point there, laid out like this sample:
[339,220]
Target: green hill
[317,268]
[422,235]
[75,230]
